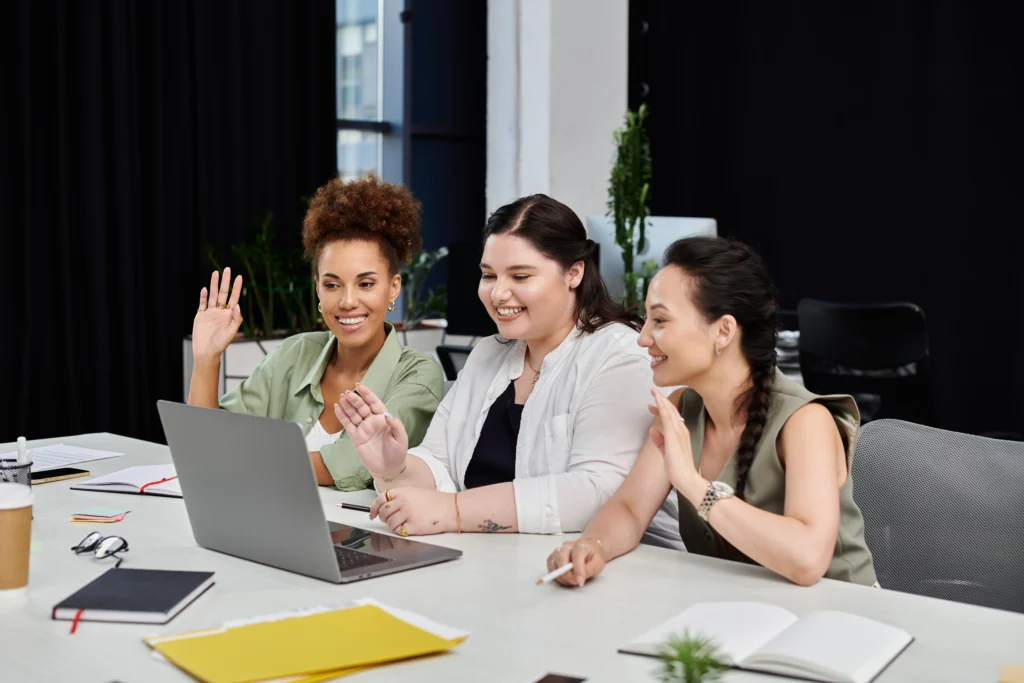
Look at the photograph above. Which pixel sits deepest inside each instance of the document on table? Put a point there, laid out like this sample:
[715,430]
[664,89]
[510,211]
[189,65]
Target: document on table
[58,455]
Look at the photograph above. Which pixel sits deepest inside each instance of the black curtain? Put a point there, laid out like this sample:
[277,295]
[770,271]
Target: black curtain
[132,135]
[871,151]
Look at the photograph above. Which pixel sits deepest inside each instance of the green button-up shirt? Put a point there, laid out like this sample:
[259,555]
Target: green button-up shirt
[286,386]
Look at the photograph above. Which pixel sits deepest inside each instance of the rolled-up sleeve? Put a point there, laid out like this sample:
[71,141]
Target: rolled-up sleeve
[433,450]
[609,429]
[252,395]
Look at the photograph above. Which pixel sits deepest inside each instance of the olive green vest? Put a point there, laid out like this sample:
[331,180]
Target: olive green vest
[766,481]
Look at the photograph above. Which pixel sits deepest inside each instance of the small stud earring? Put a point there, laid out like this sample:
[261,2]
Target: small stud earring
[718,350]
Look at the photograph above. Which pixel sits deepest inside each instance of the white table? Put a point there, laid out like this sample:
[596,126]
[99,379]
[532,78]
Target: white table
[518,630]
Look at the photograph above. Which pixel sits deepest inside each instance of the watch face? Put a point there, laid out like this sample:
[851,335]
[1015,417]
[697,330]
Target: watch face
[722,489]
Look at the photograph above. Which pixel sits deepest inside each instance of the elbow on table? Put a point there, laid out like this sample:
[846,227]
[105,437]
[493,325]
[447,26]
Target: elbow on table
[808,569]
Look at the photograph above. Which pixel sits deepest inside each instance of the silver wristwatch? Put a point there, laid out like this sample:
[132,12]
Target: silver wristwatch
[716,491]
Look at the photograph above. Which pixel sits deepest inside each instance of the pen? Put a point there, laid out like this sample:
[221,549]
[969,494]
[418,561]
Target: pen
[353,506]
[551,576]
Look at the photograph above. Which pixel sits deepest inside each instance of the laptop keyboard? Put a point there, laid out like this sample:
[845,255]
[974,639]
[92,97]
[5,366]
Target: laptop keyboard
[353,559]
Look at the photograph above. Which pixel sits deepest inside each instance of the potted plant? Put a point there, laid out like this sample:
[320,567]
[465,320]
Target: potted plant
[628,190]
[421,303]
[625,227]
[691,658]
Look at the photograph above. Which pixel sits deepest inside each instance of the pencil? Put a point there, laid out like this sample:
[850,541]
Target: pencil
[551,576]
[353,506]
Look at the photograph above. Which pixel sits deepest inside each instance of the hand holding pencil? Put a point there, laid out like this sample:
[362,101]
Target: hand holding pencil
[575,562]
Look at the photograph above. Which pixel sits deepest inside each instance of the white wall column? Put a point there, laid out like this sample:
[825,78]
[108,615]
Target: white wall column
[556,90]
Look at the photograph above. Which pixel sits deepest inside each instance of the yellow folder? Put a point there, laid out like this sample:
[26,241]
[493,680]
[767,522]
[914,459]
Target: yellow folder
[314,646]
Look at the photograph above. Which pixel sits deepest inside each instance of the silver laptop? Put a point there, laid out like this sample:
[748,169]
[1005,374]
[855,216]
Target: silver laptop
[250,492]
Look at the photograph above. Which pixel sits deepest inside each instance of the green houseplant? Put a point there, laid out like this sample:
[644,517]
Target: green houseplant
[278,298]
[421,303]
[691,658]
[628,193]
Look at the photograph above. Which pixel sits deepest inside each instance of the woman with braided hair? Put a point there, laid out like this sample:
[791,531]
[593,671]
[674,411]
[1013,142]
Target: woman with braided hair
[760,464]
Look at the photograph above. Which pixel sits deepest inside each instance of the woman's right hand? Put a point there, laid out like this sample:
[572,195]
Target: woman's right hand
[218,318]
[587,559]
[379,439]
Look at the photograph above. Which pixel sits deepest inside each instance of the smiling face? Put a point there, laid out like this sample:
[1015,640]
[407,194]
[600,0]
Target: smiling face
[354,286]
[679,339]
[528,295]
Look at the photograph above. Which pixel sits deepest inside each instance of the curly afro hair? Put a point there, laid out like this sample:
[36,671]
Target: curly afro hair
[364,209]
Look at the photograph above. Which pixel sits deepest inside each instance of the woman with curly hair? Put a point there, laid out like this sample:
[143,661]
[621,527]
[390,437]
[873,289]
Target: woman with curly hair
[761,465]
[356,236]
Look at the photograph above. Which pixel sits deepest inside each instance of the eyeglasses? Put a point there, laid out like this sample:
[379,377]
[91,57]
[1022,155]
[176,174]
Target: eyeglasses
[102,546]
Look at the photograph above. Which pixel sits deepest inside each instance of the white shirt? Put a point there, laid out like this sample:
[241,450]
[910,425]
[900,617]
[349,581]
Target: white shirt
[318,437]
[581,431]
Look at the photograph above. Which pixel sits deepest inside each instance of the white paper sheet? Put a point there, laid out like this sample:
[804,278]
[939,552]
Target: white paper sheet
[59,455]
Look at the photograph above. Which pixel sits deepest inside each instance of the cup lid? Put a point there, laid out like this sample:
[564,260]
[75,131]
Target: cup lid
[13,496]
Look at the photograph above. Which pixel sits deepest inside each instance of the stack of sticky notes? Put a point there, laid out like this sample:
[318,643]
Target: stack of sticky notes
[306,645]
[100,515]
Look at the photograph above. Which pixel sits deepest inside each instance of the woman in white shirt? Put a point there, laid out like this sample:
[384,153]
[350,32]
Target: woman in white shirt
[546,418]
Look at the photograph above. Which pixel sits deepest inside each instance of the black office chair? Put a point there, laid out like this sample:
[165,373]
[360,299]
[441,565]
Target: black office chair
[452,358]
[943,512]
[878,353]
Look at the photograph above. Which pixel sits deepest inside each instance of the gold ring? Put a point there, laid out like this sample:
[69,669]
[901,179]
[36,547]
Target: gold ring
[387,495]
[402,531]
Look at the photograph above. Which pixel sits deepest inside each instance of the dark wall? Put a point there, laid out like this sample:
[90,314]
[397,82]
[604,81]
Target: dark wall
[131,135]
[447,120]
[870,151]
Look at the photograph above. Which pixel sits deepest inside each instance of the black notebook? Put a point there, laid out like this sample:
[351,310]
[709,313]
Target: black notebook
[145,596]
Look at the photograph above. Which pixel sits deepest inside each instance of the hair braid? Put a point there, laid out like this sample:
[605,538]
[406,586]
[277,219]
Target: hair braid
[758,399]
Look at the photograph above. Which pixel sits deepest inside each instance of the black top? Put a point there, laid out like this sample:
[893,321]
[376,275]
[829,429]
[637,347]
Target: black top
[494,458]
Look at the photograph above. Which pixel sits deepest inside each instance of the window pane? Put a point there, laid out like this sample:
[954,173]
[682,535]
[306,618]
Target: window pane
[357,153]
[356,49]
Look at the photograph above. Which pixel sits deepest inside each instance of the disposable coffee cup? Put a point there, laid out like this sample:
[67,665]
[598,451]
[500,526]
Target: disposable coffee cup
[15,533]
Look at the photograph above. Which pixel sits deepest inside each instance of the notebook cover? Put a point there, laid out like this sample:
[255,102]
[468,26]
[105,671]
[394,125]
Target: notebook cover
[135,590]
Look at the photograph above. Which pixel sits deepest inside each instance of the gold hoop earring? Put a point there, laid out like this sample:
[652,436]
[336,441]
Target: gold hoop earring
[319,307]
[718,350]
[391,307]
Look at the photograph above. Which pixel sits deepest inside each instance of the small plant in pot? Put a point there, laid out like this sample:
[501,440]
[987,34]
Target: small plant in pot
[691,658]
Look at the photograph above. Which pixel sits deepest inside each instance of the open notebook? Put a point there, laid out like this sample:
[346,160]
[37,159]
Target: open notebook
[156,480]
[821,646]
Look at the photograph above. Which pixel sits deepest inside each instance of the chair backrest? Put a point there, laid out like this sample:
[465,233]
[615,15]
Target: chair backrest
[452,358]
[448,384]
[878,352]
[943,512]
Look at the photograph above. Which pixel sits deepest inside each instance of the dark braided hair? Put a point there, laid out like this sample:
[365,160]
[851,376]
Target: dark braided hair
[729,278]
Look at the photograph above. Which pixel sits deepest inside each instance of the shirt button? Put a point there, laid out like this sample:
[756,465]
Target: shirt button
[309,420]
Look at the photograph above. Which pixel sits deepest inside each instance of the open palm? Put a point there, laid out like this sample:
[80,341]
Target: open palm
[218,318]
[379,439]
